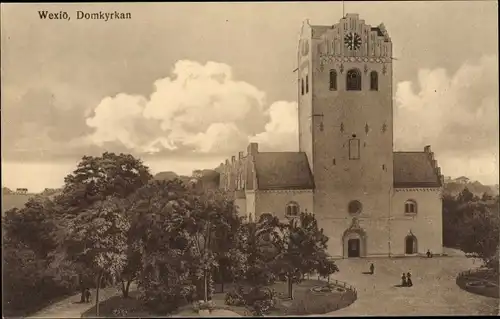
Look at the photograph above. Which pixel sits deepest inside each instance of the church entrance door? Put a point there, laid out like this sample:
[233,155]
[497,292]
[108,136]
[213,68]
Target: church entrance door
[353,247]
[410,245]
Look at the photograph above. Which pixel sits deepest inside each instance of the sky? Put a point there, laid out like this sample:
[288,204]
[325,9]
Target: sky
[184,86]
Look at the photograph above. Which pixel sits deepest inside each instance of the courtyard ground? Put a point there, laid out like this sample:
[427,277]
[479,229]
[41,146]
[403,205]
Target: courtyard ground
[434,290]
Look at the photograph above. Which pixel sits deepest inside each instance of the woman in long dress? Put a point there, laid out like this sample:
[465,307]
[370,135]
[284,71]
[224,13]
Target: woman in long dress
[408,279]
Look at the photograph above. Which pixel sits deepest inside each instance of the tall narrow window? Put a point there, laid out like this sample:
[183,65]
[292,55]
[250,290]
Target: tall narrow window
[333,80]
[307,84]
[353,80]
[302,86]
[354,149]
[292,209]
[410,207]
[374,81]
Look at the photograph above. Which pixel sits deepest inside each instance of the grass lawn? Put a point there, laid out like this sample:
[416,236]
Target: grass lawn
[481,276]
[131,305]
[305,301]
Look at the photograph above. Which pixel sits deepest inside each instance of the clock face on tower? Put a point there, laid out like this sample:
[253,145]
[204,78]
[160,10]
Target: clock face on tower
[352,40]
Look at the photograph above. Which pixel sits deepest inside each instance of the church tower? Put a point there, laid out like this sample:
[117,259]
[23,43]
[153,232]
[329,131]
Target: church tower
[346,130]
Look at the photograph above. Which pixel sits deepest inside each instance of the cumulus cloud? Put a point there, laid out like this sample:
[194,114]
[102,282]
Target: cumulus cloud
[281,132]
[455,113]
[200,108]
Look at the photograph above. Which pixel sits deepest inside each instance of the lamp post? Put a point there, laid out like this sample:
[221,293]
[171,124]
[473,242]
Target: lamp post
[292,216]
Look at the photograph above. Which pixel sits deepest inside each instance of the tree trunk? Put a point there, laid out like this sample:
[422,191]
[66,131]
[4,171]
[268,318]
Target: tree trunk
[124,290]
[127,289]
[82,288]
[290,288]
[99,277]
[205,278]
[222,286]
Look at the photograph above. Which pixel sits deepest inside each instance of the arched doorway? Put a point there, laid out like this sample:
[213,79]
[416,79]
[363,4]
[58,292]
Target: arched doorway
[411,244]
[353,247]
[354,241]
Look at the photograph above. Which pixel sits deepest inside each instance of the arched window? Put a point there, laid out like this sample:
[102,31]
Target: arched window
[373,81]
[302,86]
[333,80]
[410,207]
[353,80]
[354,207]
[292,209]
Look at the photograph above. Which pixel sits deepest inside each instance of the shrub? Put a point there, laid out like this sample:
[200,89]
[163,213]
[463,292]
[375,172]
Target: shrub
[165,300]
[261,300]
[234,298]
[120,312]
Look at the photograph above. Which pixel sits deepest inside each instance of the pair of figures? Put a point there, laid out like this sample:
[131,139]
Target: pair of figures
[406,280]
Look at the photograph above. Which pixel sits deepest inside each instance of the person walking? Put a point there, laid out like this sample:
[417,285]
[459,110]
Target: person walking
[372,268]
[87,295]
[408,279]
[403,280]
[429,255]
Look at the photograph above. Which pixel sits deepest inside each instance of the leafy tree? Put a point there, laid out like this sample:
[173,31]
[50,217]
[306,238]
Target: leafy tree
[96,178]
[183,234]
[35,226]
[466,196]
[479,232]
[97,240]
[303,251]
[93,181]
[159,214]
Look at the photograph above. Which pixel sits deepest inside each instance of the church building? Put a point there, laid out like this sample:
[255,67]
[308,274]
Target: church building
[370,200]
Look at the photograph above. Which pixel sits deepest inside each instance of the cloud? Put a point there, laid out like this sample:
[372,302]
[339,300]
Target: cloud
[281,132]
[456,114]
[41,118]
[200,108]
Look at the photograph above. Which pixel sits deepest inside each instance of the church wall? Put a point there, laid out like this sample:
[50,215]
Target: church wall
[250,204]
[377,239]
[426,224]
[241,203]
[275,201]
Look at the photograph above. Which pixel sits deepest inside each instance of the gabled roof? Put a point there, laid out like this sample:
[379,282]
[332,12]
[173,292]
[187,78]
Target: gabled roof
[414,169]
[283,170]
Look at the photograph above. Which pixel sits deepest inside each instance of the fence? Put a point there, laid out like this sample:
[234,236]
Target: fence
[342,284]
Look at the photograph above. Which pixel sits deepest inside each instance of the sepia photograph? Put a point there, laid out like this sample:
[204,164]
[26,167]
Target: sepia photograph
[250,159]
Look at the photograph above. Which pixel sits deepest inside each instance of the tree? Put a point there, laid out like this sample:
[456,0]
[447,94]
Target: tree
[479,234]
[466,196]
[183,234]
[160,212]
[35,226]
[93,181]
[97,240]
[302,250]
[96,178]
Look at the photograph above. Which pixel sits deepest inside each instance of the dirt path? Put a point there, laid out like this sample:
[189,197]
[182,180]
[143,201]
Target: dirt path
[71,306]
